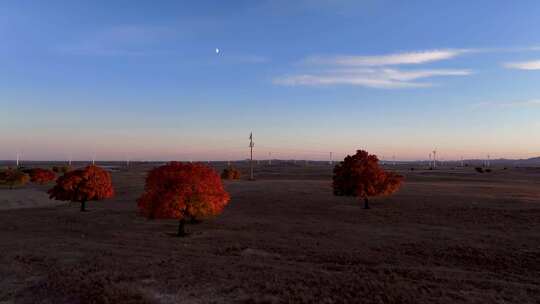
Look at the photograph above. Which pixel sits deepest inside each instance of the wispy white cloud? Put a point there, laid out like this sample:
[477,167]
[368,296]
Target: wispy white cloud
[523,65]
[293,8]
[515,49]
[389,59]
[413,57]
[125,40]
[375,71]
[141,41]
[508,104]
[250,59]
[373,78]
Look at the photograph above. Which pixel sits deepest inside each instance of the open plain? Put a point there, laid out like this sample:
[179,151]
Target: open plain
[448,236]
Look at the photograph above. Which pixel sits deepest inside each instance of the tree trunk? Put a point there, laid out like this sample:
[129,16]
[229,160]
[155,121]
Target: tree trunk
[194,221]
[366,203]
[83,206]
[181,224]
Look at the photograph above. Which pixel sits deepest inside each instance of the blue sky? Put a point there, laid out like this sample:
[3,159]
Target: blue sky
[141,79]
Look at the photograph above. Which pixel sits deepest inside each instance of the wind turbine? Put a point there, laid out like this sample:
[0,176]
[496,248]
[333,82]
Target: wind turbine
[251,145]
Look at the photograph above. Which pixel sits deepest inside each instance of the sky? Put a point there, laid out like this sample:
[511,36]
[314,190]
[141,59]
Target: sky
[142,80]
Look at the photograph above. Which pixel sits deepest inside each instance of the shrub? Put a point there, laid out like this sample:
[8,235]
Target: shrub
[182,191]
[62,169]
[13,177]
[488,170]
[360,175]
[479,169]
[89,184]
[41,176]
[230,173]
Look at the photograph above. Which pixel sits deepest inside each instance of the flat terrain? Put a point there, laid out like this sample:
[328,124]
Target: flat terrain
[448,236]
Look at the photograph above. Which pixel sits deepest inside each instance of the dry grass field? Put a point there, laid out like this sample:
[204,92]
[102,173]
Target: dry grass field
[448,236]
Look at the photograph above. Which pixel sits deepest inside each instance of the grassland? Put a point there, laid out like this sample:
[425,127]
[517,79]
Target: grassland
[449,236]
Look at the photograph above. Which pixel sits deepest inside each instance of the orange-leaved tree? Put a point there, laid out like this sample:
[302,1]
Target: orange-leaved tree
[360,175]
[182,191]
[89,184]
[13,177]
[41,176]
[230,173]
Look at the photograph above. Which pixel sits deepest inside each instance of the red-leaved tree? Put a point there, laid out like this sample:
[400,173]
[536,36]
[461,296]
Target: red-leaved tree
[61,169]
[360,175]
[230,173]
[182,191]
[89,184]
[41,176]
[13,177]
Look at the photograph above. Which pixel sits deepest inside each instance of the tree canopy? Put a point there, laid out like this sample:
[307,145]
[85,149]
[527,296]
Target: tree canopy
[41,176]
[13,177]
[182,191]
[89,184]
[360,175]
[230,173]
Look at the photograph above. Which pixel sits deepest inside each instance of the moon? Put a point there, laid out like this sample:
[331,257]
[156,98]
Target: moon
[217,51]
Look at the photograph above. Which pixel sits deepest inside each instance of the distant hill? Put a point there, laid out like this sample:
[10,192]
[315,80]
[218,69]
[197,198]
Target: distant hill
[534,161]
[530,161]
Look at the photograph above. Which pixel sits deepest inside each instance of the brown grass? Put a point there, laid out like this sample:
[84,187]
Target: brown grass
[447,237]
